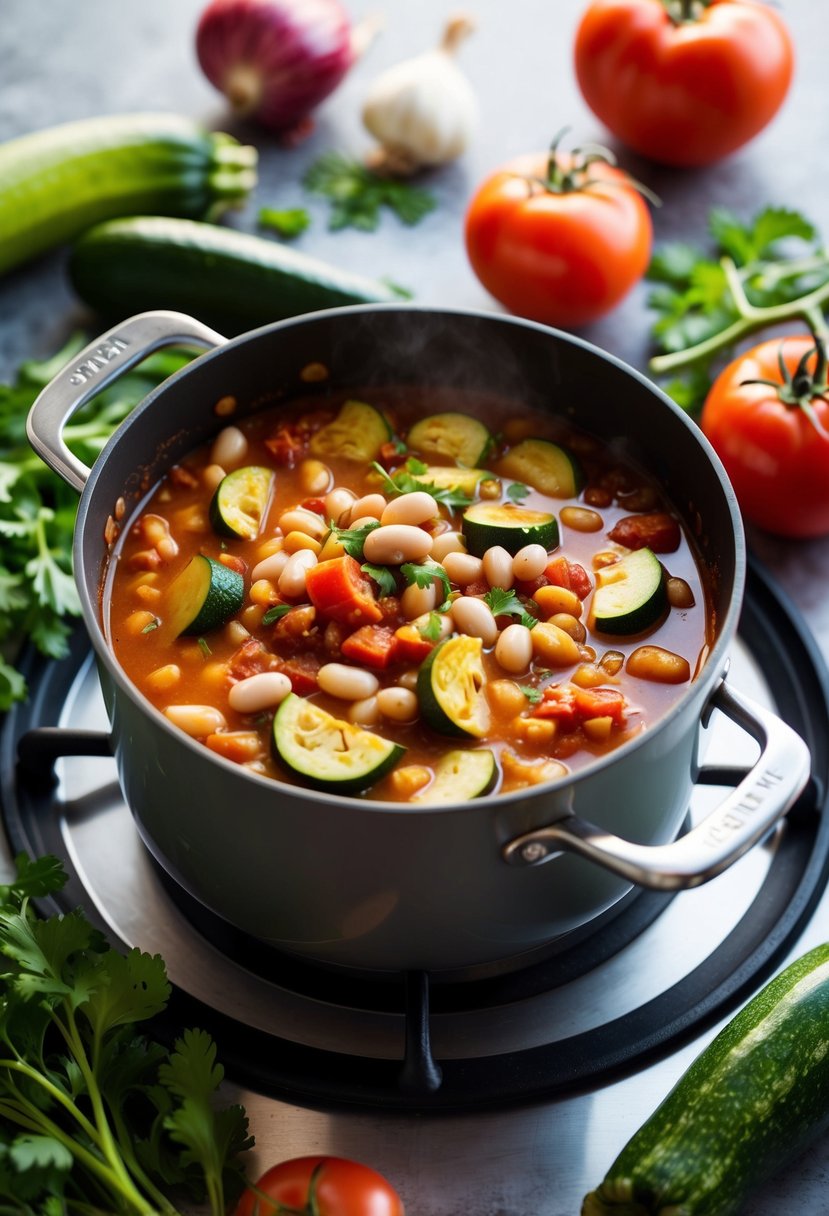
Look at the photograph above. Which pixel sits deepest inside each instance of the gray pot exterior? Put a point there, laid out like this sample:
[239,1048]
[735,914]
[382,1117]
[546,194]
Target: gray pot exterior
[378,885]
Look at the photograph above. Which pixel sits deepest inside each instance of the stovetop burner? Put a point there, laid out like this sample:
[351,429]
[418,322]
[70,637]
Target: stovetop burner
[598,1006]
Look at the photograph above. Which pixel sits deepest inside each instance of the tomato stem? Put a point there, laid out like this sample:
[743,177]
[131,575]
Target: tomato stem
[683,12]
[808,308]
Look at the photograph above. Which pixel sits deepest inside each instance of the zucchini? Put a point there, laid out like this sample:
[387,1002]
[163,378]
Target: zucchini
[60,181]
[491,523]
[204,596]
[630,595]
[751,1101]
[450,688]
[447,477]
[545,466]
[328,753]
[460,776]
[357,433]
[241,502]
[460,436]
[231,279]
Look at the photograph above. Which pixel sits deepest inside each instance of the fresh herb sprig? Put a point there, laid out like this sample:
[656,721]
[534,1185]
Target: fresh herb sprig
[408,479]
[37,509]
[759,274]
[507,603]
[423,574]
[383,577]
[95,1114]
[517,492]
[287,222]
[353,539]
[358,194]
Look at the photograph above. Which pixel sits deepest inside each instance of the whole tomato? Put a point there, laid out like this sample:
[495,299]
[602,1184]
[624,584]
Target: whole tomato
[767,416]
[321,1186]
[558,238]
[684,82]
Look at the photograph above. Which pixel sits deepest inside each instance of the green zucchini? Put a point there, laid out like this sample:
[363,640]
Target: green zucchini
[450,686]
[328,753]
[447,477]
[204,596]
[460,436]
[231,279]
[749,1103]
[545,466]
[357,433]
[461,775]
[58,182]
[491,523]
[630,595]
[241,501]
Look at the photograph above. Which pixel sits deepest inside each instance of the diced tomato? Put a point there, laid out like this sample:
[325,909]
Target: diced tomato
[297,628]
[287,445]
[561,572]
[390,456]
[233,562]
[317,505]
[529,586]
[391,610]
[412,647]
[570,705]
[559,703]
[478,587]
[601,703]
[182,477]
[340,591]
[302,670]
[657,531]
[374,645]
[251,658]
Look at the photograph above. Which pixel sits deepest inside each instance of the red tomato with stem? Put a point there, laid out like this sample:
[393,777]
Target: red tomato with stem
[321,1186]
[767,416]
[684,82]
[559,238]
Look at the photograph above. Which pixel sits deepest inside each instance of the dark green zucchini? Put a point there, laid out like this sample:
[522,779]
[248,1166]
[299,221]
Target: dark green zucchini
[58,182]
[755,1097]
[230,279]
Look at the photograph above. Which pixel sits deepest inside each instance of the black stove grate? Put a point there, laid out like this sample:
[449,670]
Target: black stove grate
[772,631]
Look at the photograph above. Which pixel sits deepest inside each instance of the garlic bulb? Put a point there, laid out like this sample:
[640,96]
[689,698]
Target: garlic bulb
[423,111]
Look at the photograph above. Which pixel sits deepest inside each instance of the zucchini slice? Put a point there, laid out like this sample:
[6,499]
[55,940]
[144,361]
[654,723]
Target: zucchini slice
[328,753]
[446,477]
[204,596]
[460,776]
[450,688]
[460,436]
[357,433]
[241,501]
[630,595]
[545,466]
[492,523]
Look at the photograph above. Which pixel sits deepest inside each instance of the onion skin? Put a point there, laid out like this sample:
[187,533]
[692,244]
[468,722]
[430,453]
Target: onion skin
[275,60]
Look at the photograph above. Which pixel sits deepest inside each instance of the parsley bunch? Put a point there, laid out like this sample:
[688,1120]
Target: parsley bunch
[407,481]
[37,509]
[95,1115]
[765,272]
[357,193]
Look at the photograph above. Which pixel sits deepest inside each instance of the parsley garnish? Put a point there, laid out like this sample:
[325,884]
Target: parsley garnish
[423,576]
[382,576]
[431,628]
[357,193]
[204,647]
[151,625]
[517,492]
[274,614]
[507,603]
[533,695]
[403,482]
[287,223]
[98,1114]
[353,539]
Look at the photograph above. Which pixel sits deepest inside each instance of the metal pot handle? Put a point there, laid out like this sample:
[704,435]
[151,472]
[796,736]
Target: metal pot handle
[104,360]
[762,797]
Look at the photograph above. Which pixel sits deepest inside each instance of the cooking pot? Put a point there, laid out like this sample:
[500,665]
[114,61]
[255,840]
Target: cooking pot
[389,886]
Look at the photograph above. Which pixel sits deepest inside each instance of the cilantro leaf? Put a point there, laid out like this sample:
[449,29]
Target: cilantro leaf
[382,576]
[507,603]
[402,482]
[533,695]
[288,223]
[274,614]
[431,628]
[424,574]
[353,539]
[517,492]
[357,194]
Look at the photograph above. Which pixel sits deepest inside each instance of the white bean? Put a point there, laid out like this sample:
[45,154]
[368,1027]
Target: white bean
[196,720]
[314,476]
[514,648]
[530,562]
[299,519]
[258,692]
[292,578]
[212,475]
[347,683]
[463,568]
[398,704]
[370,504]
[408,679]
[337,502]
[497,566]
[230,447]
[446,543]
[393,544]
[415,508]
[415,601]
[270,567]
[425,622]
[365,712]
[473,617]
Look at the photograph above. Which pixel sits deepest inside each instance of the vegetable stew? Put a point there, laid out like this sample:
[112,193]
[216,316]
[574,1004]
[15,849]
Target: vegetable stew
[411,596]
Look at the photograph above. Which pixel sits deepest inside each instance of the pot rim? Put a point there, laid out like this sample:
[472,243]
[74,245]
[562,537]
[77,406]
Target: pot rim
[715,664]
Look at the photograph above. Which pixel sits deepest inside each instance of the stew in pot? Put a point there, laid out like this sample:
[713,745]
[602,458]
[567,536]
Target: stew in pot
[408,596]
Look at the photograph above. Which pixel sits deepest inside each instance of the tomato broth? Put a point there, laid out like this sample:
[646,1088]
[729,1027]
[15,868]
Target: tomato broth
[511,599]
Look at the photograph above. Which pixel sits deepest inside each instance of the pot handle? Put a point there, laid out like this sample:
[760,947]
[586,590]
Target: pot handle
[103,361]
[750,810]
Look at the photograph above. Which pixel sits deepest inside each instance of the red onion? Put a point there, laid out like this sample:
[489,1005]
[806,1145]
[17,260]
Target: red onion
[275,60]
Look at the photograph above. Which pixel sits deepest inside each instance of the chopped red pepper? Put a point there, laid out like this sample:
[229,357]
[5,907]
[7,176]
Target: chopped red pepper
[302,671]
[561,572]
[374,645]
[317,505]
[657,531]
[340,591]
[251,658]
[412,647]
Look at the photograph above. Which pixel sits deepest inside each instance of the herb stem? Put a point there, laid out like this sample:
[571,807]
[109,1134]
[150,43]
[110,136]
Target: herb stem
[43,1081]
